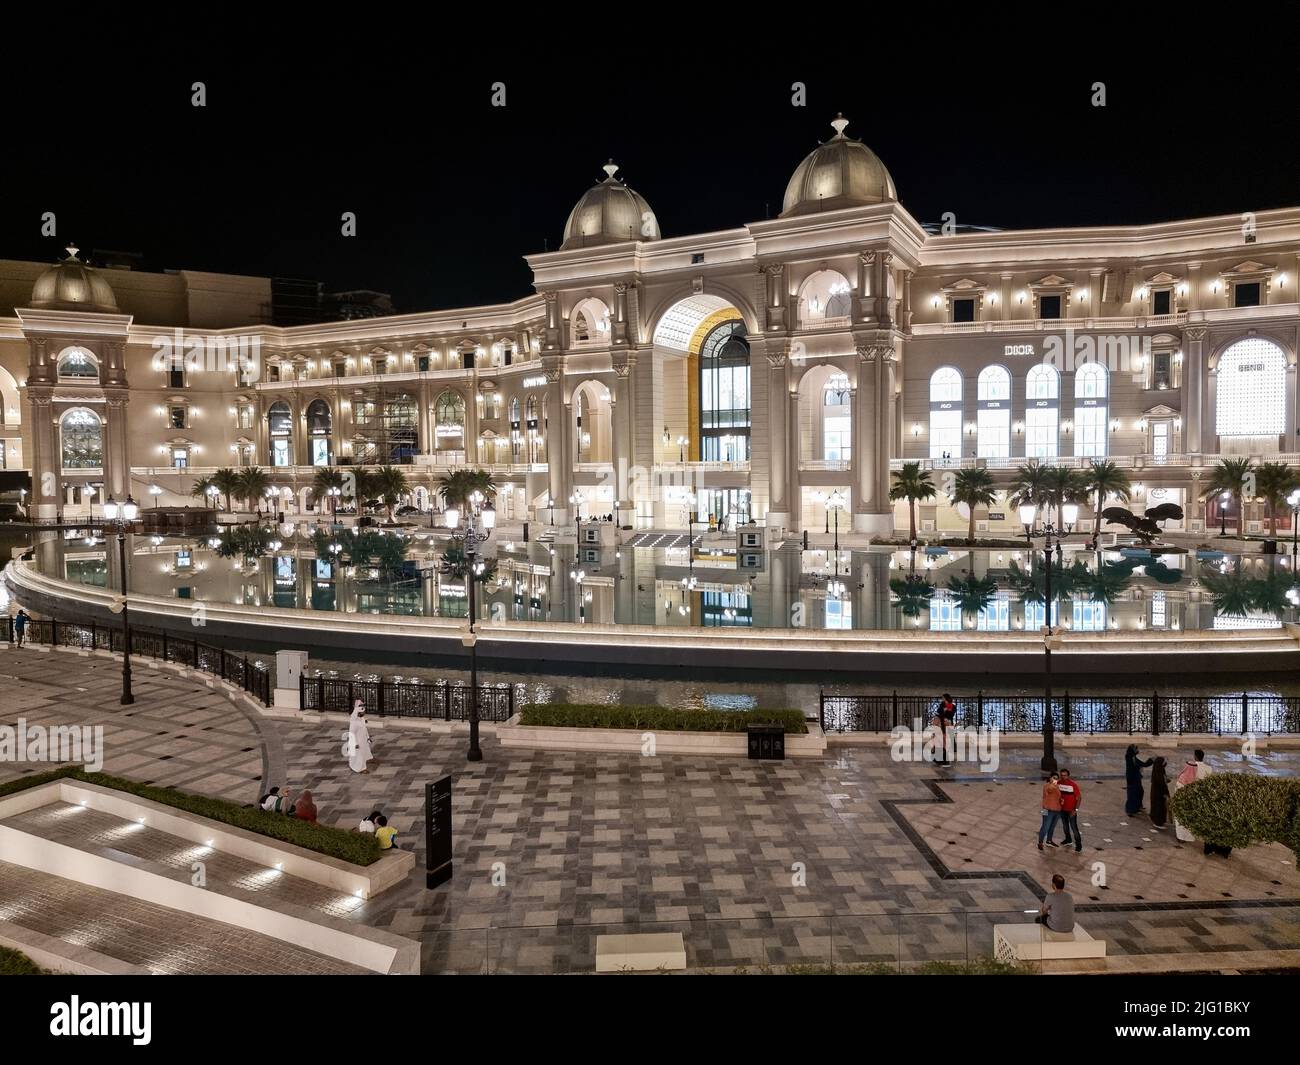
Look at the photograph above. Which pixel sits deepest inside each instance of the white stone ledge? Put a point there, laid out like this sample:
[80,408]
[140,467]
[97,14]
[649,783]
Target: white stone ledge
[60,956]
[632,740]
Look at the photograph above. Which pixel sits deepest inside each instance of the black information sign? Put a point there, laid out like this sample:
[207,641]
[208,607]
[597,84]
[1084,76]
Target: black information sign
[437,832]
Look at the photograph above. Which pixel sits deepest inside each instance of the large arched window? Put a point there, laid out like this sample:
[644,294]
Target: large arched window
[837,419]
[81,440]
[1042,412]
[993,414]
[824,295]
[279,424]
[724,394]
[945,413]
[78,364]
[319,429]
[1090,417]
[449,422]
[1250,389]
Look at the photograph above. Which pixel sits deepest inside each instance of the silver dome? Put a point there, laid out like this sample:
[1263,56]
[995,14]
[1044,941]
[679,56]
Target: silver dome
[72,285]
[839,173]
[609,213]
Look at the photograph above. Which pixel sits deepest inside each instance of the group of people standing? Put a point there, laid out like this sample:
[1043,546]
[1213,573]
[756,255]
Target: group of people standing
[1062,798]
[1195,769]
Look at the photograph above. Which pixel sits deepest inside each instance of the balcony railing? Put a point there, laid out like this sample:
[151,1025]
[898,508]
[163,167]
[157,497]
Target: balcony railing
[706,467]
[837,465]
[1077,462]
[1109,324]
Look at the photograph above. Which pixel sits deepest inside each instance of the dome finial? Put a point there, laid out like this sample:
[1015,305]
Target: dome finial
[839,122]
[72,250]
[610,168]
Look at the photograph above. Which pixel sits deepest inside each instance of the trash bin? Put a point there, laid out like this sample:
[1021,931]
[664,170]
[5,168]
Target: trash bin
[766,742]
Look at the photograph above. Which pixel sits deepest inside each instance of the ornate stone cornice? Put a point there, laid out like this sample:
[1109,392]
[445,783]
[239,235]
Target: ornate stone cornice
[1196,333]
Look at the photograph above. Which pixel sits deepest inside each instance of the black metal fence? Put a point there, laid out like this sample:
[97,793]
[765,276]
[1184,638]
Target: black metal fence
[230,666]
[1249,712]
[438,700]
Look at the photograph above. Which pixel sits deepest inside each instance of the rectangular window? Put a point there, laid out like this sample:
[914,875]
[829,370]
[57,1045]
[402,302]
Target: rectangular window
[279,452]
[1049,306]
[945,434]
[176,377]
[994,441]
[1041,433]
[1162,301]
[838,437]
[1160,439]
[246,417]
[1245,294]
[320,452]
[1090,432]
[180,458]
[963,310]
[1162,370]
[176,417]
[839,614]
[184,559]
[424,364]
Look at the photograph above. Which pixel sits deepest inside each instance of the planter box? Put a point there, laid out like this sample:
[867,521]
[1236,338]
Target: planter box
[633,741]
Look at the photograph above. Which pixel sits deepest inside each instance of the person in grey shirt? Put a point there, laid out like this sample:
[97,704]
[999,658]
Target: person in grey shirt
[1057,911]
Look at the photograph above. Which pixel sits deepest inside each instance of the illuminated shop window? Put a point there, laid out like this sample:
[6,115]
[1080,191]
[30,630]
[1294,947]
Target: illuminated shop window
[1250,392]
[1090,410]
[945,413]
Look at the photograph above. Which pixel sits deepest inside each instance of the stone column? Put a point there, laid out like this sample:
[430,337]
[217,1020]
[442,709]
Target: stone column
[1004,298]
[622,431]
[45,462]
[39,370]
[1096,281]
[884,316]
[619,327]
[777,314]
[864,440]
[559,473]
[792,449]
[863,308]
[881,517]
[471,419]
[778,505]
[1194,388]
[117,463]
[905,306]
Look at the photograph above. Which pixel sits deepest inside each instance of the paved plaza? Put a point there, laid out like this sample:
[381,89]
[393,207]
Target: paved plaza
[851,857]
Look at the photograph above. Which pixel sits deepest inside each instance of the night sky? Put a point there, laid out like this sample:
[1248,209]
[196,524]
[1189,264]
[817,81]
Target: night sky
[451,192]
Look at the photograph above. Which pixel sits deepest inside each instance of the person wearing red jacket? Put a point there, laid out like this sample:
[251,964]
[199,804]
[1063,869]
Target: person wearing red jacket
[1071,797]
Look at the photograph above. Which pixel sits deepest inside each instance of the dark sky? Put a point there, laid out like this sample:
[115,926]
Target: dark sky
[451,192]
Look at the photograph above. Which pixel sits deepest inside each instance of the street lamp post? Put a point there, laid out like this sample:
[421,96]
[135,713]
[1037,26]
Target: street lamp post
[1294,500]
[1223,514]
[681,448]
[690,499]
[577,499]
[473,536]
[121,517]
[1052,536]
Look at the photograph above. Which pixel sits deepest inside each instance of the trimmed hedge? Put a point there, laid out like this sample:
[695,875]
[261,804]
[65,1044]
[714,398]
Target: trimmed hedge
[16,963]
[354,847]
[657,718]
[1238,809]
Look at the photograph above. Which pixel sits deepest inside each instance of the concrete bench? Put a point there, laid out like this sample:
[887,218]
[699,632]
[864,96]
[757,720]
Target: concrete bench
[1037,942]
[640,952]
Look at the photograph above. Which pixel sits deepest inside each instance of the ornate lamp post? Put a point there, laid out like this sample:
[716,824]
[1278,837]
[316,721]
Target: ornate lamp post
[1293,500]
[478,528]
[577,499]
[690,500]
[836,503]
[1223,514]
[121,517]
[156,491]
[1052,537]
[681,448]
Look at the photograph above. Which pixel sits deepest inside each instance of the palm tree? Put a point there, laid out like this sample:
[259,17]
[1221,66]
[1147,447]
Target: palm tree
[1030,485]
[457,488]
[328,482]
[975,489]
[226,481]
[1229,477]
[912,594]
[365,486]
[1106,479]
[911,483]
[1273,483]
[202,488]
[391,484]
[1062,485]
[251,486]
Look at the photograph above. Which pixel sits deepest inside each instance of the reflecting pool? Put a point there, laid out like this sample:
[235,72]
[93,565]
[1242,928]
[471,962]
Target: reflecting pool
[667,580]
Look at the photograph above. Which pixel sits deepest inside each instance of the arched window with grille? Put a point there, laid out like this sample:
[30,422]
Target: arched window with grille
[81,440]
[837,419]
[945,413]
[993,413]
[1090,410]
[1042,412]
